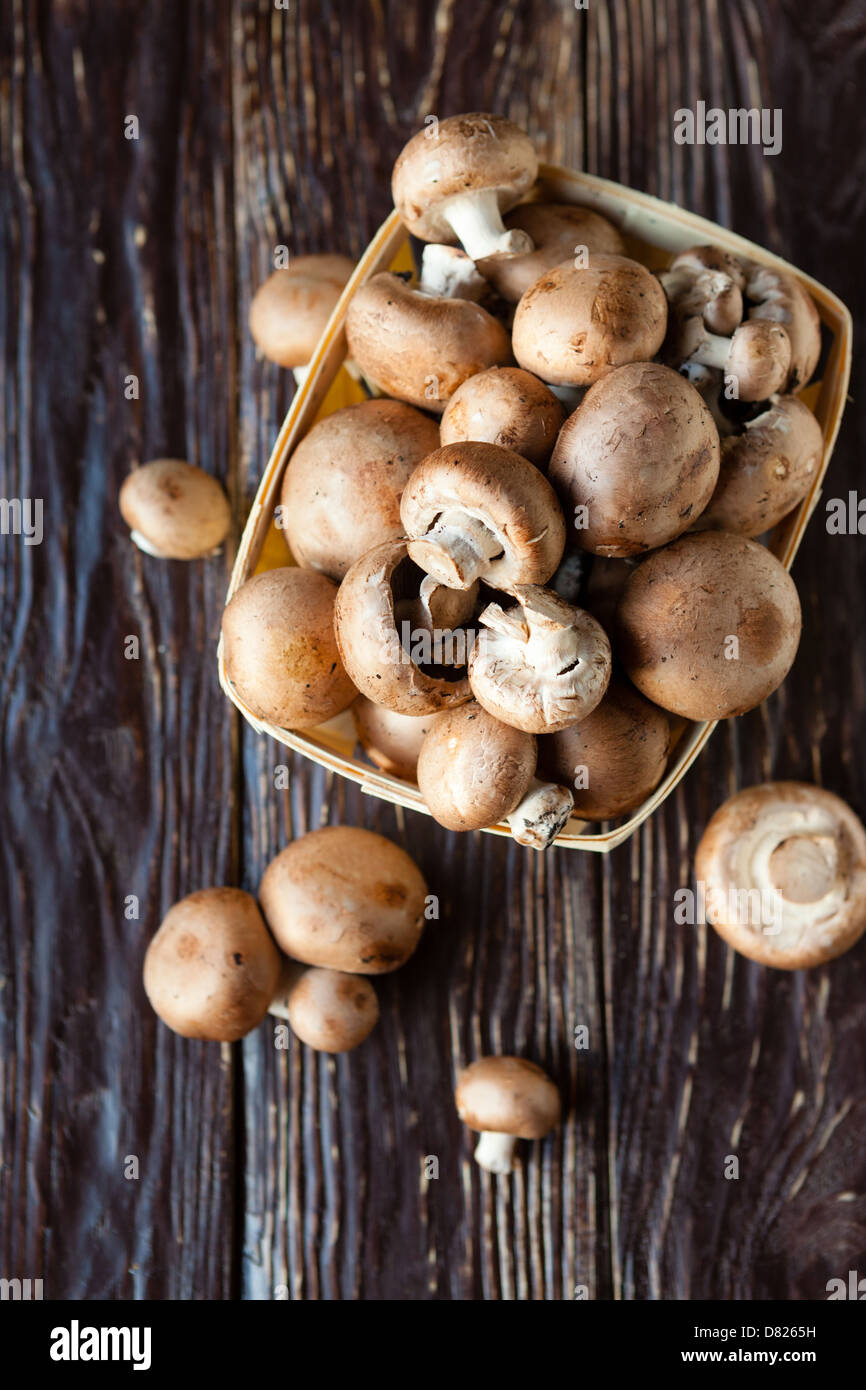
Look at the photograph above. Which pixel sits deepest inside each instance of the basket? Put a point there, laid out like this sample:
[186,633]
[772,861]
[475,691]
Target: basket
[653,232]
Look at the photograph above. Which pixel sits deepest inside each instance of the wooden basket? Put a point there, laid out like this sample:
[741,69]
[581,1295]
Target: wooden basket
[653,231]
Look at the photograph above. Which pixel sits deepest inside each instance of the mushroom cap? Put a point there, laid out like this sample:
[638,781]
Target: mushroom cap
[341,491]
[766,469]
[507,1095]
[280,651]
[540,665]
[390,740]
[419,348]
[331,1010]
[760,359]
[801,852]
[575,325]
[211,969]
[623,744]
[290,310]
[473,771]
[366,631]
[780,298]
[498,487]
[681,608]
[505,406]
[346,899]
[470,153]
[641,454]
[556,230]
[176,511]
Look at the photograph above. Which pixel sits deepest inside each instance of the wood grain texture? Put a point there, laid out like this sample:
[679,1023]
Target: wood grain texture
[267,1173]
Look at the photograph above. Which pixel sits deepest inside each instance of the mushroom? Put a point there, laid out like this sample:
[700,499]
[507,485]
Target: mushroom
[290,310]
[766,469]
[345,899]
[614,757]
[757,355]
[392,741]
[474,771]
[418,348]
[211,969]
[709,626]
[480,511]
[541,664]
[506,1098]
[174,510]
[575,324]
[558,231]
[456,186]
[341,491]
[637,462]
[280,652]
[505,406]
[448,273]
[331,1010]
[783,869]
[367,634]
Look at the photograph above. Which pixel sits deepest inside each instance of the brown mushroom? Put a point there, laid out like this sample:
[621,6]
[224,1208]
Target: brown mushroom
[614,757]
[418,348]
[505,406]
[392,741]
[783,871]
[341,491]
[541,664]
[211,970]
[709,626]
[576,324]
[280,651]
[454,183]
[345,899]
[174,510]
[558,231]
[480,511]
[506,1098]
[637,462]
[331,1010]
[290,310]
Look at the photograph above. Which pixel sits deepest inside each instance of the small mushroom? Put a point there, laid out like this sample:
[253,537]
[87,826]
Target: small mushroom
[370,641]
[709,626]
[211,969]
[290,310]
[174,510]
[783,870]
[457,185]
[418,348]
[345,899]
[541,664]
[557,231]
[392,741]
[757,355]
[280,652]
[505,406]
[614,757]
[576,324]
[766,469]
[480,511]
[637,462]
[474,772]
[506,1098]
[331,1010]
[341,491]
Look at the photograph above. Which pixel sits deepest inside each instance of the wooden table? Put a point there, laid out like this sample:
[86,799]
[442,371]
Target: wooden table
[267,1174]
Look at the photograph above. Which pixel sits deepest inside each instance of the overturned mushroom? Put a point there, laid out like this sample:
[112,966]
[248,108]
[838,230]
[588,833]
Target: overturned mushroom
[480,511]
[783,870]
[290,310]
[558,231]
[541,664]
[454,183]
[506,1098]
[331,1010]
[474,771]
[174,510]
[506,406]
[392,741]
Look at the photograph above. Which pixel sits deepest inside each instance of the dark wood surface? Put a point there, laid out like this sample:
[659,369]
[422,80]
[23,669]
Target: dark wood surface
[268,1174]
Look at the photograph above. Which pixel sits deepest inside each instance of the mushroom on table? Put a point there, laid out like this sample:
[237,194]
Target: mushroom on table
[332,1010]
[506,1098]
[174,510]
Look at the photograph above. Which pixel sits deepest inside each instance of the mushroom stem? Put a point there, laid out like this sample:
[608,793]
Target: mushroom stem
[804,868]
[300,374]
[456,550]
[542,813]
[439,611]
[290,973]
[144,544]
[477,223]
[495,1152]
[447,273]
